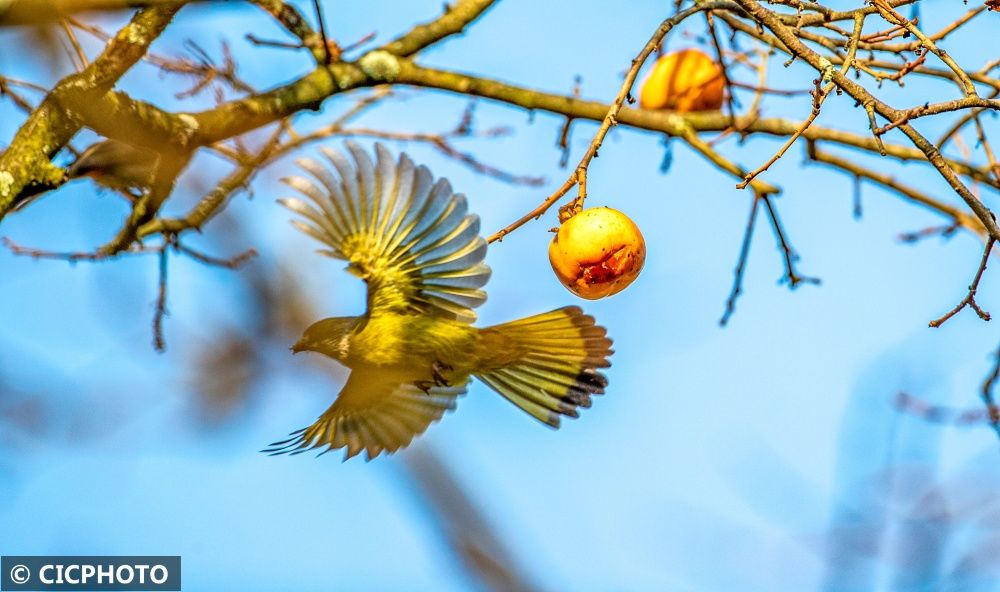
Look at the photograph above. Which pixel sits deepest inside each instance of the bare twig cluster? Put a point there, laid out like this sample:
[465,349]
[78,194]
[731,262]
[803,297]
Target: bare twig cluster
[852,55]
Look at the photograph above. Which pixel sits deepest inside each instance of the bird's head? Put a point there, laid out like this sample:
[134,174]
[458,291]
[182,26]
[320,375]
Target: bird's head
[330,337]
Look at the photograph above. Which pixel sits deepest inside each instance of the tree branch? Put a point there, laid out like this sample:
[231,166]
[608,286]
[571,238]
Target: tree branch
[860,94]
[452,22]
[25,163]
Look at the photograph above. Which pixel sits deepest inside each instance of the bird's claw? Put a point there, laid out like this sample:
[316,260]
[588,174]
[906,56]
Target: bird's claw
[437,378]
[437,370]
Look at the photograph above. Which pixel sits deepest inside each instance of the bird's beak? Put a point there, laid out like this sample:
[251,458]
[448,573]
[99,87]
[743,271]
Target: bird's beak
[297,347]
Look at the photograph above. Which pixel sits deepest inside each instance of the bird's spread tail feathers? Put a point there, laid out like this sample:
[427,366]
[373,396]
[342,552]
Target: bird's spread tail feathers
[547,364]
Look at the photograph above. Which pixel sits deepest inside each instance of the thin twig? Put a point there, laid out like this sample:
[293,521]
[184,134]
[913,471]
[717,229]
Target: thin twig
[856,210]
[970,298]
[69,256]
[741,264]
[791,275]
[939,414]
[945,231]
[768,90]
[234,262]
[322,31]
[17,98]
[159,343]
[731,101]
[981,135]
[819,95]
[81,56]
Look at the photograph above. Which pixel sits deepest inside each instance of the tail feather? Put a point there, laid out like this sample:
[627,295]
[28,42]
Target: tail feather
[538,392]
[547,364]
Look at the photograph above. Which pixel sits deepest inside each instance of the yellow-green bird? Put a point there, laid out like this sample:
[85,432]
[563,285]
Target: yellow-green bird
[414,350]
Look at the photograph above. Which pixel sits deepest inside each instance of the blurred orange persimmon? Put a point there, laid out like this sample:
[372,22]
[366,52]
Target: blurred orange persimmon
[597,253]
[685,80]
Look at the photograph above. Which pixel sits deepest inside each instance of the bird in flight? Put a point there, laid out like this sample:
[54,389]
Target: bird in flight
[414,351]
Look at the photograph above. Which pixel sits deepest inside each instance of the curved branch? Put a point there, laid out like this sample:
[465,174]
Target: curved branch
[453,21]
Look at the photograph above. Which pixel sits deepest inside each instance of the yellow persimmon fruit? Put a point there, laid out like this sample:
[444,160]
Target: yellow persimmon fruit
[685,80]
[597,253]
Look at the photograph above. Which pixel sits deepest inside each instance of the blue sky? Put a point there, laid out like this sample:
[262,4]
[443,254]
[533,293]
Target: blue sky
[720,459]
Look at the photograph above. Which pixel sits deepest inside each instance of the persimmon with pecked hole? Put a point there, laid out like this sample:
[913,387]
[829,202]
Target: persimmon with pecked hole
[684,81]
[597,253]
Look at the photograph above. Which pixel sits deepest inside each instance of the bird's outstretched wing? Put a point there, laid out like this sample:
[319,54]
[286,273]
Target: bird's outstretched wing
[410,238]
[373,413]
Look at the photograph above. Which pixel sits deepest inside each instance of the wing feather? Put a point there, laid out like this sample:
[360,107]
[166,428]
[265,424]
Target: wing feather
[333,208]
[411,238]
[348,187]
[385,184]
[374,414]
